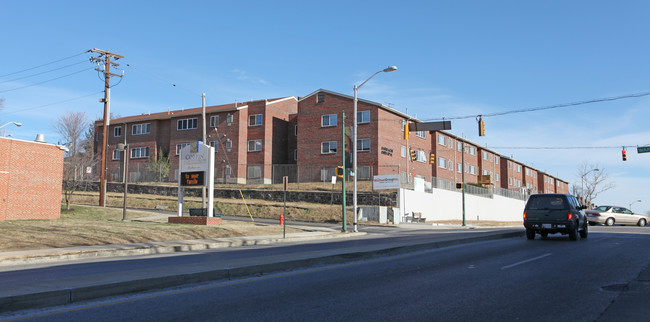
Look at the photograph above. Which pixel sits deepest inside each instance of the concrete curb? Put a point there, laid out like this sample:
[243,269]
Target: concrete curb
[72,295]
[55,255]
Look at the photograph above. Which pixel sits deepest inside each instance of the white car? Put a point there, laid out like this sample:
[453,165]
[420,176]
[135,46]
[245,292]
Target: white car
[610,215]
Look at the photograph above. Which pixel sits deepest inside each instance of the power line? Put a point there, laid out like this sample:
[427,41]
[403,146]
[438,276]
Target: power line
[598,100]
[52,62]
[562,147]
[50,104]
[41,73]
[43,82]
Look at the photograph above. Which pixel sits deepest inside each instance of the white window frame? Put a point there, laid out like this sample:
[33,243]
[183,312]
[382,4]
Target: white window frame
[228,145]
[117,154]
[403,151]
[214,121]
[442,140]
[329,147]
[363,117]
[187,124]
[442,162]
[421,156]
[180,146]
[117,131]
[229,119]
[255,119]
[141,129]
[329,118]
[140,152]
[363,145]
[254,145]
[421,134]
[485,155]
[459,167]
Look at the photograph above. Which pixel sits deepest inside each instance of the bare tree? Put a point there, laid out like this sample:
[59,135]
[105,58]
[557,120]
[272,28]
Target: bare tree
[72,126]
[592,180]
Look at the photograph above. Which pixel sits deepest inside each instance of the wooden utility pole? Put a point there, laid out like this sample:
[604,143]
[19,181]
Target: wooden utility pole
[105,59]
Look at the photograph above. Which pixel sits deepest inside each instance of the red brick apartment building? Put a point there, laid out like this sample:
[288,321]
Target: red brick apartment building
[31,176]
[303,138]
[248,138]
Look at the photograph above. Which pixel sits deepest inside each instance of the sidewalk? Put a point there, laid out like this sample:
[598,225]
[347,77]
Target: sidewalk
[44,287]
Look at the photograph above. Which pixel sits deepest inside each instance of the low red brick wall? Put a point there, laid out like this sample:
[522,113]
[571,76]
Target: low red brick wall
[195,220]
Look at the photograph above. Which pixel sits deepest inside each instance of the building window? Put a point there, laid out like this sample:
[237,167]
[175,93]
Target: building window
[214,120]
[472,169]
[320,97]
[295,130]
[363,117]
[459,167]
[117,154]
[186,124]
[402,125]
[497,177]
[254,172]
[228,145]
[363,145]
[403,151]
[254,145]
[255,120]
[485,155]
[295,155]
[229,119]
[117,131]
[510,181]
[442,140]
[496,160]
[442,163]
[328,147]
[509,165]
[485,172]
[364,172]
[142,152]
[228,171]
[519,168]
[472,150]
[215,145]
[138,129]
[328,120]
[459,146]
[180,147]
[421,156]
[421,134]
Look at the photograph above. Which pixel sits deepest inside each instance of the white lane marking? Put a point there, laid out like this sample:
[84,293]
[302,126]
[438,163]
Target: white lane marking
[526,261]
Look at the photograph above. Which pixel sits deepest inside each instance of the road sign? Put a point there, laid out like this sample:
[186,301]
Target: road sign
[643,149]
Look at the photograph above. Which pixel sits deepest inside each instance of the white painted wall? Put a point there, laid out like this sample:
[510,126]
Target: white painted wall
[443,204]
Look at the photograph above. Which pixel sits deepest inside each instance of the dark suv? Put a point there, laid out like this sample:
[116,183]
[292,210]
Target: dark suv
[552,213]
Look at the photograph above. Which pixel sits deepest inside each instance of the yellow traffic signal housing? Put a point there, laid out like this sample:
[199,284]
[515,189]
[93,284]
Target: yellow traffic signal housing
[340,171]
[481,127]
[432,158]
[624,153]
[459,185]
[414,155]
[406,130]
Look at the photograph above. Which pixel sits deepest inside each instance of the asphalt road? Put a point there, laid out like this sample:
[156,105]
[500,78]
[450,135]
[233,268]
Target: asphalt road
[502,280]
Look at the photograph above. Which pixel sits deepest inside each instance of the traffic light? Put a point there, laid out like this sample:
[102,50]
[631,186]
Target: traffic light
[624,153]
[340,171]
[406,130]
[414,155]
[459,185]
[432,158]
[481,127]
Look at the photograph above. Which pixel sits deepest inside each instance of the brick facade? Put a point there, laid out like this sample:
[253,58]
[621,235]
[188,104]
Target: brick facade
[31,176]
[303,139]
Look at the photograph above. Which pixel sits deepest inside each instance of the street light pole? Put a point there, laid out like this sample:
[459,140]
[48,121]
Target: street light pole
[633,202]
[124,148]
[14,123]
[354,140]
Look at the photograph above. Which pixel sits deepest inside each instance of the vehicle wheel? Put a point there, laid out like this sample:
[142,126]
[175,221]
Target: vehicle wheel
[641,222]
[592,223]
[584,232]
[609,222]
[573,233]
[530,234]
[544,234]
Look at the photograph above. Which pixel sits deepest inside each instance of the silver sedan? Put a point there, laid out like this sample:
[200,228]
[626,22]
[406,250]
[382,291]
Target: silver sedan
[610,215]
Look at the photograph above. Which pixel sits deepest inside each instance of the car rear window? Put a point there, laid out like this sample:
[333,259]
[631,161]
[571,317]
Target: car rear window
[547,202]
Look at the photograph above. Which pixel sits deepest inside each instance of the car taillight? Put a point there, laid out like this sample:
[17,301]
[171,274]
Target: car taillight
[570,216]
[524,215]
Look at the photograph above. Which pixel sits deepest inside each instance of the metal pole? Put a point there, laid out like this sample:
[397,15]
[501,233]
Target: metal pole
[354,157]
[463,179]
[343,201]
[126,179]
[204,188]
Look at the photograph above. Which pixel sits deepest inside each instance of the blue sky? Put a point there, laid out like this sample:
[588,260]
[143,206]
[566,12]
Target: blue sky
[455,58]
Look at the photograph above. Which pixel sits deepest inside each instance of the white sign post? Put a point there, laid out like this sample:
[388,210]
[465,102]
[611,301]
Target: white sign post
[196,169]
